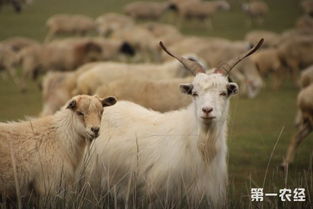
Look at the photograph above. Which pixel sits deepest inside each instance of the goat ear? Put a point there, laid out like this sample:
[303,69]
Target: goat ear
[186,88]
[108,101]
[72,105]
[232,89]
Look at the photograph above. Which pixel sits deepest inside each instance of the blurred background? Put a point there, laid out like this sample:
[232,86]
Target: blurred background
[45,42]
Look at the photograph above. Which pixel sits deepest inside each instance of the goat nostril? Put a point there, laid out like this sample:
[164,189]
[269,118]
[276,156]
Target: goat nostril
[207,109]
[95,130]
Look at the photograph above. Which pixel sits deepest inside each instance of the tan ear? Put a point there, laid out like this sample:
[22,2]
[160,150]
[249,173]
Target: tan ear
[109,101]
[72,105]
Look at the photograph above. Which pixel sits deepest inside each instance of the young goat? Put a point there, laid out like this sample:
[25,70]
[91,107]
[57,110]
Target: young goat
[42,155]
[166,157]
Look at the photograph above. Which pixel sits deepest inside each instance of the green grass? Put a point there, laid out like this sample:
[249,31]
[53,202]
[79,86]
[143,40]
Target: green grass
[255,125]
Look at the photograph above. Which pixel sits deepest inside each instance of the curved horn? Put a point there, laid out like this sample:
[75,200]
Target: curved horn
[227,67]
[193,66]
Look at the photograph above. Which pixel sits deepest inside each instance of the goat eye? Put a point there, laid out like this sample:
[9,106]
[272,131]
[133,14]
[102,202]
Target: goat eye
[80,113]
[224,94]
[195,94]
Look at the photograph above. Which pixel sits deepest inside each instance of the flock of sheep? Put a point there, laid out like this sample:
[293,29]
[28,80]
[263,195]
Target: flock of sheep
[165,137]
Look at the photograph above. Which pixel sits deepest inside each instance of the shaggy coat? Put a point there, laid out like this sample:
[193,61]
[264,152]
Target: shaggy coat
[44,154]
[148,93]
[165,157]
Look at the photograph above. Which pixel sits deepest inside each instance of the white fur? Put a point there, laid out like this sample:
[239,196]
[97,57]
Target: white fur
[166,155]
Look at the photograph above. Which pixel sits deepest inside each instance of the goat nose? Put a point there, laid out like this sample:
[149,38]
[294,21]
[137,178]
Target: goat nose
[207,110]
[95,130]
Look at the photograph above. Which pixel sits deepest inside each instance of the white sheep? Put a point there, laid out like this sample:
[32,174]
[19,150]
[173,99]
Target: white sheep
[45,153]
[146,10]
[106,72]
[165,157]
[112,22]
[256,10]
[69,24]
[201,10]
[18,43]
[269,64]
[147,92]
[8,63]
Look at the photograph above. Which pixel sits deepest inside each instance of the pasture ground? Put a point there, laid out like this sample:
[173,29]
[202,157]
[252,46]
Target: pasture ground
[260,128]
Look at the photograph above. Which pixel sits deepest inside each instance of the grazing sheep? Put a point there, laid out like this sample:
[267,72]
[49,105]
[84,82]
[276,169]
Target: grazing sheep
[8,63]
[141,39]
[114,49]
[19,43]
[112,22]
[58,87]
[268,63]
[296,53]
[306,77]
[69,24]
[147,93]
[256,10]
[272,39]
[46,152]
[104,73]
[201,10]
[146,10]
[305,126]
[307,7]
[63,55]
[135,161]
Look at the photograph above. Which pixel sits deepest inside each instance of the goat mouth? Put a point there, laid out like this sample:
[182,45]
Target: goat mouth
[208,117]
[91,137]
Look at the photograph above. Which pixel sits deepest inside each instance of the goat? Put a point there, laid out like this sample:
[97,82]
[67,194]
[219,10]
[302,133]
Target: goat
[172,155]
[47,152]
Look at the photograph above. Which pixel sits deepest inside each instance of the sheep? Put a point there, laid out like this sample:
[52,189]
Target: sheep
[295,53]
[146,10]
[135,161]
[272,38]
[306,77]
[307,7]
[256,10]
[47,152]
[58,87]
[201,10]
[112,22]
[68,24]
[268,62]
[147,93]
[106,72]
[114,49]
[8,63]
[63,55]
[141,39]
[18,43]
[305,119]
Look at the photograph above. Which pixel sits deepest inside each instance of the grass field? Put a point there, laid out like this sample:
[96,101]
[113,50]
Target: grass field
[256,125]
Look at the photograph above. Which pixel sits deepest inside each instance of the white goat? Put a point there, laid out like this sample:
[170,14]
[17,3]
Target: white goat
[43,154]
[172,155]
